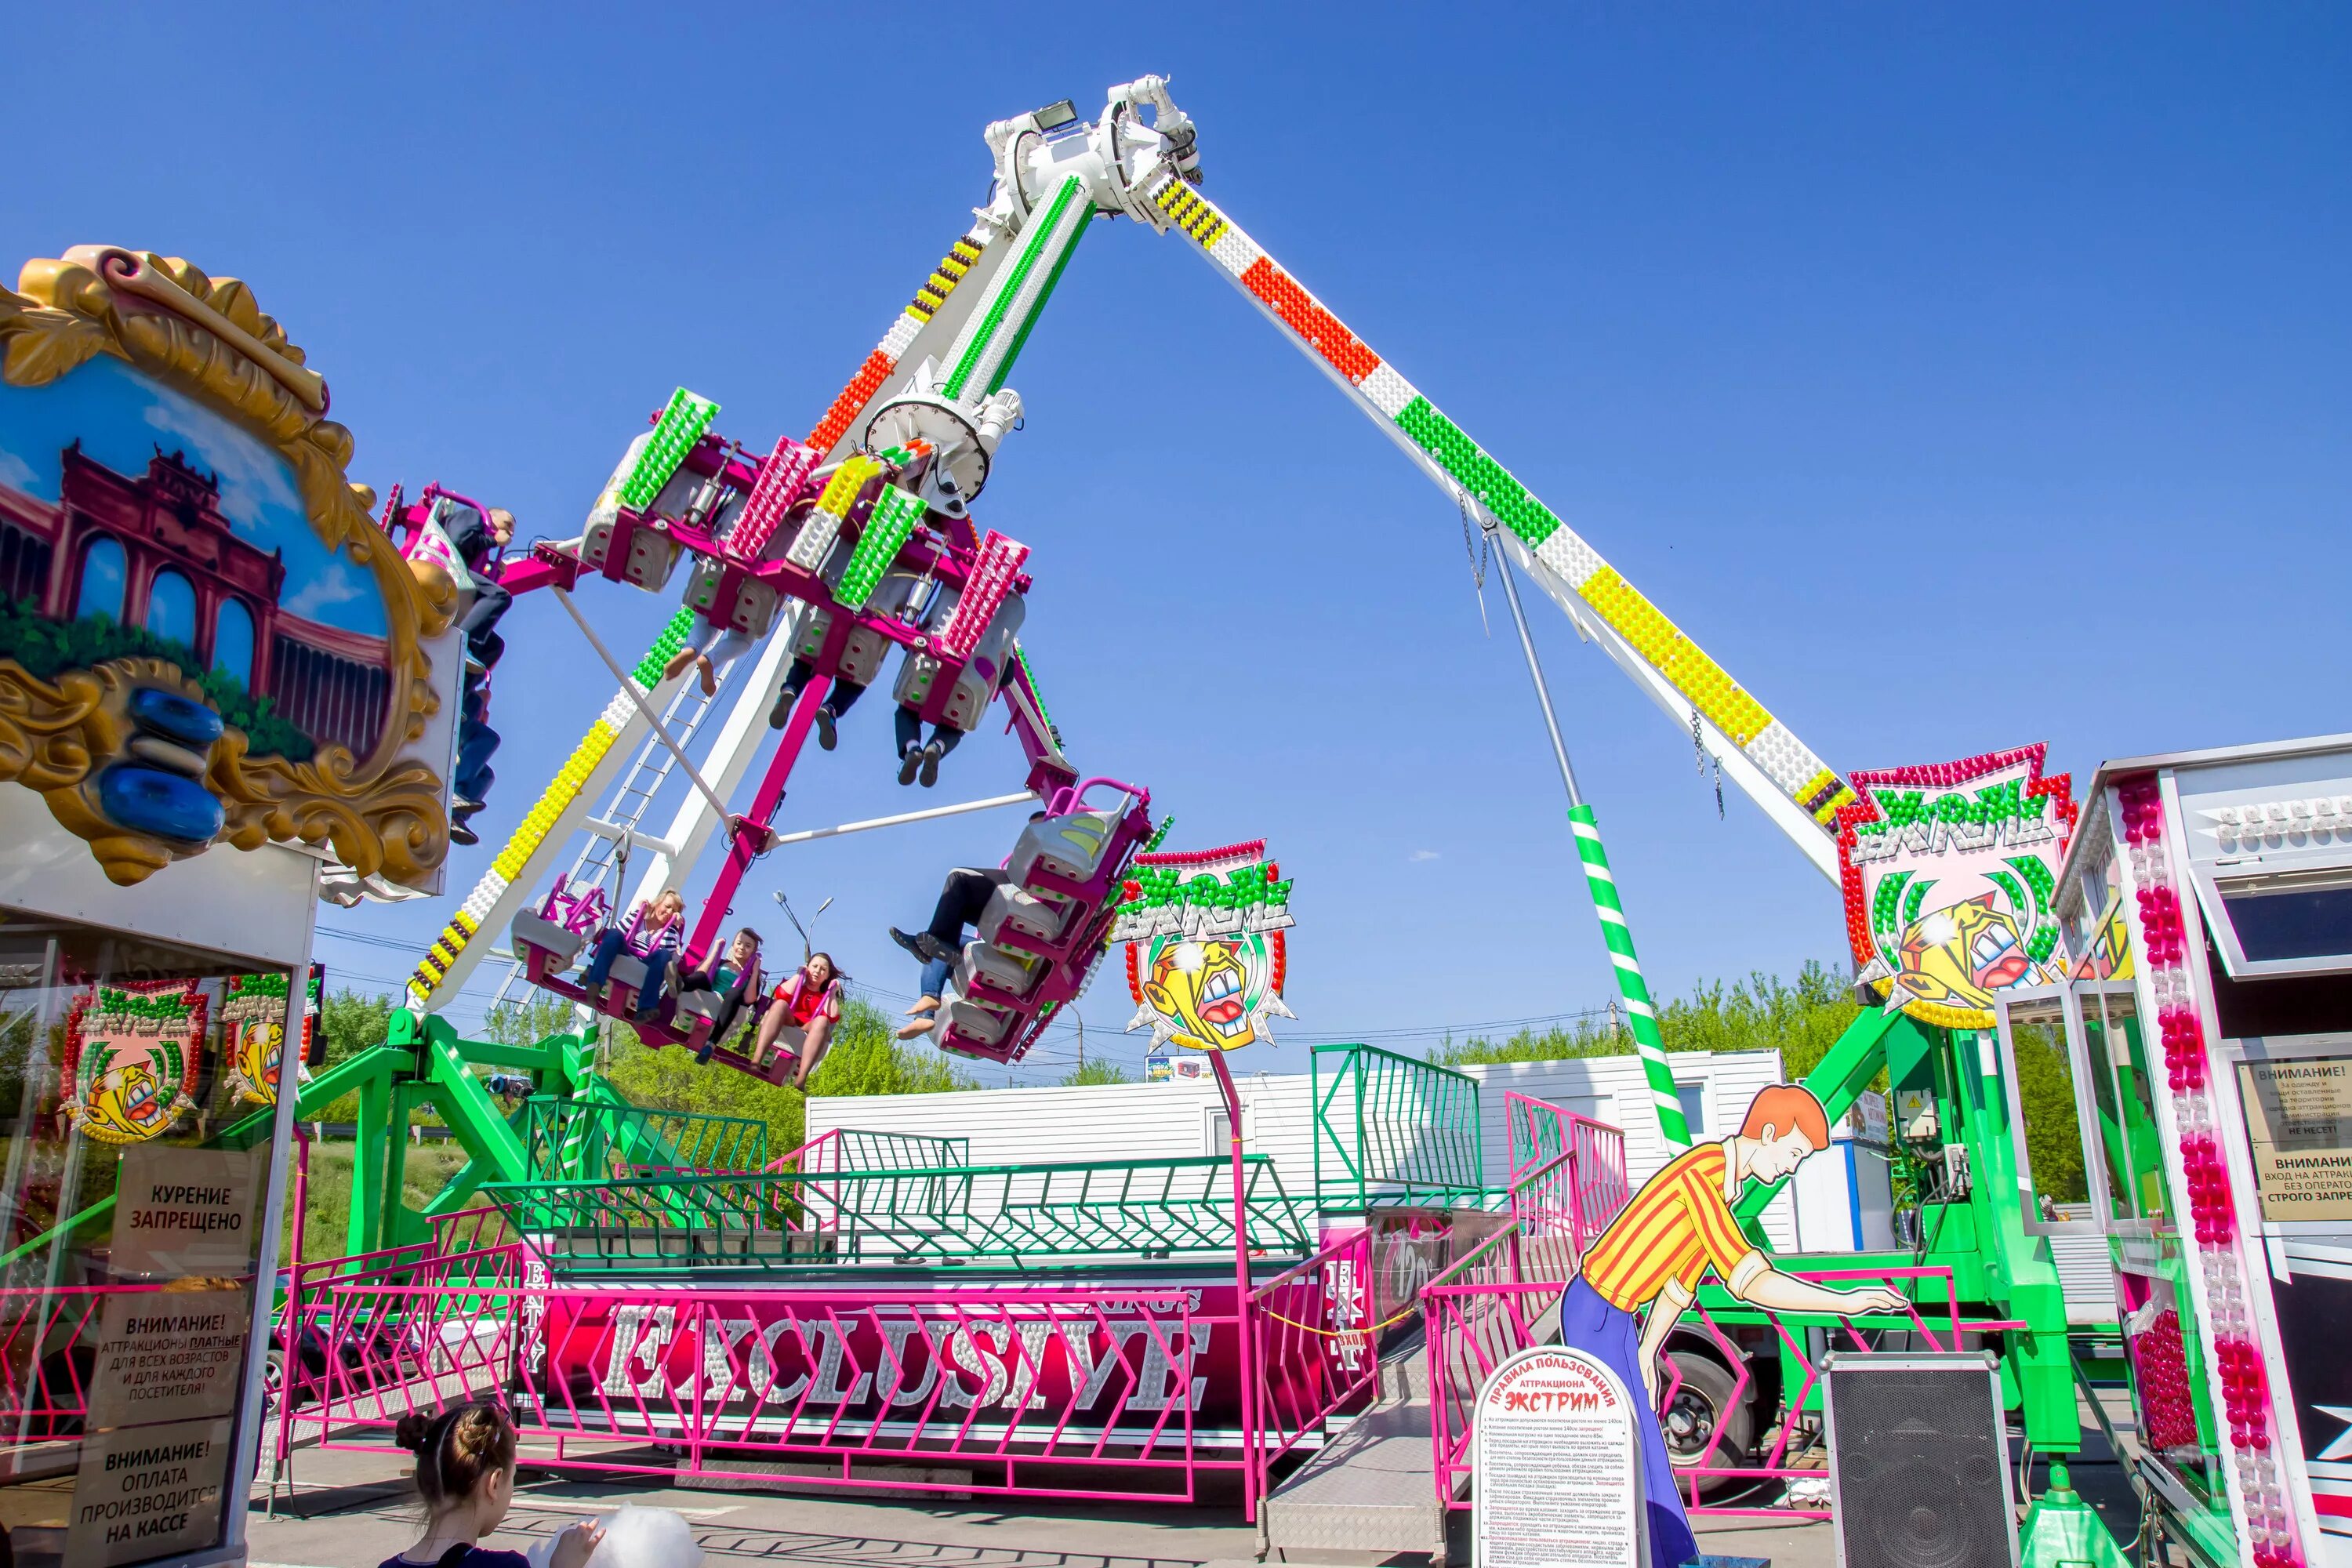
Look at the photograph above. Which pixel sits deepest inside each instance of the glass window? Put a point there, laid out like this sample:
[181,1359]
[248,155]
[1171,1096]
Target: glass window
[2098,1068]
[2117,1022]
[138,1083]
[232,640]
[2279,922]
[103,570]
[172,608]
[2044,1100]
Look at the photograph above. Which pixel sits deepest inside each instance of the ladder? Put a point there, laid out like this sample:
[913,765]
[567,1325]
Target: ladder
[625,811]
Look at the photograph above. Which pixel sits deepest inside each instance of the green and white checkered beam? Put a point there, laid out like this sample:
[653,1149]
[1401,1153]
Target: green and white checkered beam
[983,354]
[1800,793]
[1647,1041]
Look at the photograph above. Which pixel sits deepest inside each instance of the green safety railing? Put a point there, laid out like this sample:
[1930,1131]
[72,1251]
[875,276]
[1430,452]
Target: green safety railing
[577,1139]
[1140,1210]
[858,1150]
[1390,1129]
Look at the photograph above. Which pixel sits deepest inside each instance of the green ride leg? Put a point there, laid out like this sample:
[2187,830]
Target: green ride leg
[1644,1017]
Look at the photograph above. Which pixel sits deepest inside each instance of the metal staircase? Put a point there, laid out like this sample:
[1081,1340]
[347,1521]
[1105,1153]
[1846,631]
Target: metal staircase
[1368,1489]
[625,811]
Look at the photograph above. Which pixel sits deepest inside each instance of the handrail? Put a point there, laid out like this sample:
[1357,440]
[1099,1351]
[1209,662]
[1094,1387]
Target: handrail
[1405,1124]
[1445,1276]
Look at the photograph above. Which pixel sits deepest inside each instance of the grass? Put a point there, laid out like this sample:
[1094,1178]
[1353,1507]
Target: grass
[327,1207]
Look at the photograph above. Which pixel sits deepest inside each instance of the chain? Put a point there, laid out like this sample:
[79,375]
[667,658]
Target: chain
[1338,1333]
[1477,554]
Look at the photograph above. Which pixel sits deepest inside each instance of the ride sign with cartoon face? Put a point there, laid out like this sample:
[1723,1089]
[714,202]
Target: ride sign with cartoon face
[1951,877]
[1205,951]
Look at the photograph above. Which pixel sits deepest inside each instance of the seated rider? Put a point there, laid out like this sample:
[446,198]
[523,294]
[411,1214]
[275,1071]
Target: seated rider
[707,644]
[661,927]
[963,896]
[811,1002]
[838,699]
[735,979]
[917,756]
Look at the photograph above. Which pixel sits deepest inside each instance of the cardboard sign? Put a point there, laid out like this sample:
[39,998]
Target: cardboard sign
[170,1355]
[2299,1128]
[1557,1473]
[148,1491]
[186,1211]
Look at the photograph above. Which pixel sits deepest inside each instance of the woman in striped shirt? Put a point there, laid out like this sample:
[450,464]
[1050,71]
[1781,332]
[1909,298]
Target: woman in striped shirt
[660,933]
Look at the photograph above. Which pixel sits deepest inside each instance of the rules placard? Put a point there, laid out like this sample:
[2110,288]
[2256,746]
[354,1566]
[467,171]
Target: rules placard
[1558,1479]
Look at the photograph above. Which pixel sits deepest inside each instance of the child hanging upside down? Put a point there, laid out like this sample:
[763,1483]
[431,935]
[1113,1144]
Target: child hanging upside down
[811,1002]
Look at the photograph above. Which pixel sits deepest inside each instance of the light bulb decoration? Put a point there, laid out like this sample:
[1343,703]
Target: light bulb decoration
[1950,874]
[133,1055]
[1206,958]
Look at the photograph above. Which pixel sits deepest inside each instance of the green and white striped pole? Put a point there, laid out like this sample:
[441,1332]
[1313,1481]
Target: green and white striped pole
[1647,1041]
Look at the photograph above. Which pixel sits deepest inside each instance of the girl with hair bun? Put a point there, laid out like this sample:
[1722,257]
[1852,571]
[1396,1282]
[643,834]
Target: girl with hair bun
[465,1474]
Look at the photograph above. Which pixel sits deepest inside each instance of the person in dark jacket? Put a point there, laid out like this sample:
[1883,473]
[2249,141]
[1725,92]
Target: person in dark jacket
[480,542]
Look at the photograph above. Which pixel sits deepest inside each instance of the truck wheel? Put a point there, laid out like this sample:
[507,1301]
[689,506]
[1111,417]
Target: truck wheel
[1709,1401]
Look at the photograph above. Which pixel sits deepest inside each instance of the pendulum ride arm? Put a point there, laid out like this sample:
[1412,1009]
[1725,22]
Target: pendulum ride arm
[1797,790]
[933,318]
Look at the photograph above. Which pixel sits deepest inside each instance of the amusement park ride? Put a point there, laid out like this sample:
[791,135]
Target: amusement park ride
[662,1294]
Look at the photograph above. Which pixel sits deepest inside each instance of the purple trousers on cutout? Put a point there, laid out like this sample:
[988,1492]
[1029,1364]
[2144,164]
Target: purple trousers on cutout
[1611,1335]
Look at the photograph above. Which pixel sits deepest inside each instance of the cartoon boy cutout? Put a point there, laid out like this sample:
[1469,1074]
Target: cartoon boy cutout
[1668,1238]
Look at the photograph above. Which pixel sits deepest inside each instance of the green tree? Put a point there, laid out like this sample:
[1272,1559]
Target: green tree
[2045,1093]
[527,1022]
[1800,1020]
[350,1021]
[1097,1071]
[864,1060]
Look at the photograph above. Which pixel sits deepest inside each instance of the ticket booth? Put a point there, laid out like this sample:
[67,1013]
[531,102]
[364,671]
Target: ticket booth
[222,693]
[2206,903]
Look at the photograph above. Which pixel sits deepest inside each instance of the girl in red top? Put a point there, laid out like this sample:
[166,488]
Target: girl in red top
[809,1001]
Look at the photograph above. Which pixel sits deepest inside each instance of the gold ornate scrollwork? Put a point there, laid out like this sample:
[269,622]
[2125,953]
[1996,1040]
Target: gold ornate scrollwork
[209,339]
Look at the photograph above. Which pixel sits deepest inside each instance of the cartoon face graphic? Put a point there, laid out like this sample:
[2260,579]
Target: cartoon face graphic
[130,1100]
[260,1047]
[1962,954]
[1201,988]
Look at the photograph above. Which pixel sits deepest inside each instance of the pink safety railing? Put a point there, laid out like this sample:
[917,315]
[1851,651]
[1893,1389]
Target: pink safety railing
[1316,1346]
[50,1347]
[1796,1434]
[1572,1167]
[1013,1389]
[1019,1390]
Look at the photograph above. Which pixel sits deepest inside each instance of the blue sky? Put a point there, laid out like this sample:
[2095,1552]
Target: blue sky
[1957,376]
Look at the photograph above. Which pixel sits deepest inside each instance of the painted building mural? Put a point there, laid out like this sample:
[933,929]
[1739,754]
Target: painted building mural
[207,636]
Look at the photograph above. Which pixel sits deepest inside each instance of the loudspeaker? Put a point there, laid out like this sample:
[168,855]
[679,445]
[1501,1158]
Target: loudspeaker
[1919,1461]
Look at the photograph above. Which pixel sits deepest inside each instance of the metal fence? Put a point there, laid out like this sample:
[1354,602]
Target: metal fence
[1390,1129]
[582,1138]
[1147,1209]
[990,1387]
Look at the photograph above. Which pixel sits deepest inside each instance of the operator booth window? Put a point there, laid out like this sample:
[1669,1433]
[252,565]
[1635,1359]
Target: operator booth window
[137,1088]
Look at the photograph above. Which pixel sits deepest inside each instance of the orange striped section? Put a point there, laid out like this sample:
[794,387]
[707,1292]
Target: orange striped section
[863,386]
[1676,1228]
[1311,321]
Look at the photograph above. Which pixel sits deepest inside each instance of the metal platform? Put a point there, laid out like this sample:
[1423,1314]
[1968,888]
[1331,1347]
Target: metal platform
[1368,1489]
